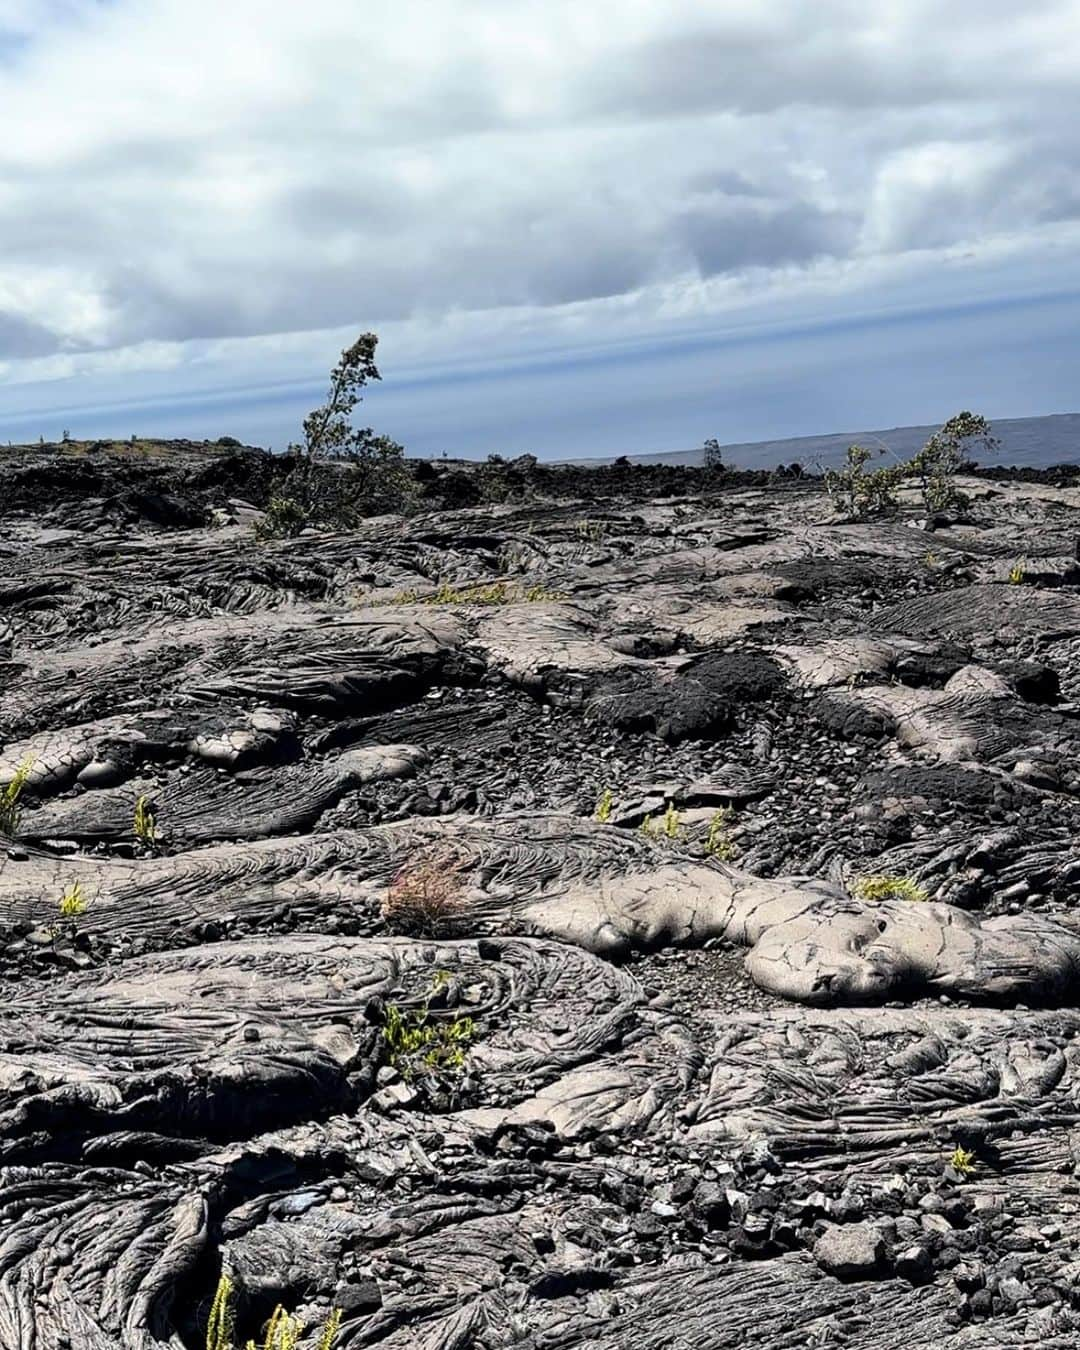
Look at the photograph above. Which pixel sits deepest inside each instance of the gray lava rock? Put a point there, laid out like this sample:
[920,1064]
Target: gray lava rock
[851,1251]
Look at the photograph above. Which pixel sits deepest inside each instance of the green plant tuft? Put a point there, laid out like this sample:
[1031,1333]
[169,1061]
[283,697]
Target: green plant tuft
[962,1161]
[10,806]
[282,1330]
[330,1330]
[417,1042]
[144,825]
[475,593]
[73,903]
[1016,574]
[887,887]
[718,842]
[667,826]
[219,1325]
[604,806]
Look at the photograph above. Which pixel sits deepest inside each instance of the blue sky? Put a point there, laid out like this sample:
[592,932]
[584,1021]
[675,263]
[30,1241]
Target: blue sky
[621,227]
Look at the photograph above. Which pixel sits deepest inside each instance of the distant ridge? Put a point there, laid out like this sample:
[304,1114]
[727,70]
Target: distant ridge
[1035,442]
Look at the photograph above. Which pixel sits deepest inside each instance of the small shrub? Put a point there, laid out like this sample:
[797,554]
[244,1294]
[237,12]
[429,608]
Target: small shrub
[604,805]
[284,519]
[418,1043]
[144,825]
[962,1161]
[10,806]
[944,455]
[1016,574]
[712,456]
[886,887]
[426,899]
[865,493]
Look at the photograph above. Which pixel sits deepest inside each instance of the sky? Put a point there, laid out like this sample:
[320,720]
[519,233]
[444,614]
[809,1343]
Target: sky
[614,227]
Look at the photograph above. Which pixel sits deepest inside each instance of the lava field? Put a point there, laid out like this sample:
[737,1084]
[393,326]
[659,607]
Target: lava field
[745,1011]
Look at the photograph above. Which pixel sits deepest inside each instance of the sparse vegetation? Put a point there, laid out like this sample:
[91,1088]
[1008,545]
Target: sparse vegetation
[712,456]
[1017,572]
[475,593]
[284,519]
[865,493]
[604,805]
[144,825]
[419,1043]
[589,529]
[426,898]
[10,798]
[718,841]
[668,826]
[888,887]
[539,594]
[962,1161]
[373,474]
[281,1332]
[71,906]
[73,902]
[944,456]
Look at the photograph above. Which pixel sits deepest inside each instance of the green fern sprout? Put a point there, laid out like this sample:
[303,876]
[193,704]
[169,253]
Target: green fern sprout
[604,805]
[647,827]
[145,823]
[1017,573]
[718,842]
[10,808]
[219,1326]
[330,1330]
[887,887]
[672,828]
[962,1161]
[283,1330]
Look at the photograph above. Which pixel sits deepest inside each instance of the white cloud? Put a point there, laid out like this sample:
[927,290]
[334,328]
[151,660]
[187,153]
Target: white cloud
[204,179]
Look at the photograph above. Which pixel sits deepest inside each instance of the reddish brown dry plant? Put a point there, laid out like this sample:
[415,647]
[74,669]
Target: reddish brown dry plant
[426,898]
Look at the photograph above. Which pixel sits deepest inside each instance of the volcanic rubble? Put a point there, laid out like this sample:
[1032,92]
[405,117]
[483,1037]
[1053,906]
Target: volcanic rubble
[702,1093]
